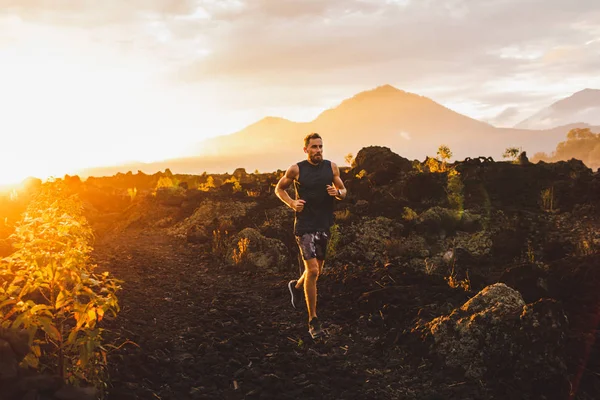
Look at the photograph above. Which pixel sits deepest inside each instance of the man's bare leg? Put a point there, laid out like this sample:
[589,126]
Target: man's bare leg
[309,278]
[300,281]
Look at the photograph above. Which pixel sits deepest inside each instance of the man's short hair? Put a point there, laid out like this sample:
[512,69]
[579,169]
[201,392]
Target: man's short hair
[313,135]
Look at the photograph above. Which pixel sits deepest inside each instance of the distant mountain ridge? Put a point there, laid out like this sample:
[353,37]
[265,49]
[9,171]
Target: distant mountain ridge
[381,116]
[411,125]
[581,107]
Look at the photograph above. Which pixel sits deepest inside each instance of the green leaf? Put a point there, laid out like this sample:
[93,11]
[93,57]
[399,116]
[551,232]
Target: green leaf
[49,328]
[60,300]
[72,336]
[36,351]
[7,302]
[40,307]
[22,319]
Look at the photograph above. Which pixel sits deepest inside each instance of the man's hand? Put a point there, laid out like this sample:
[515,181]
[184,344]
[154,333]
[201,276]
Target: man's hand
[297,205]
[332,190]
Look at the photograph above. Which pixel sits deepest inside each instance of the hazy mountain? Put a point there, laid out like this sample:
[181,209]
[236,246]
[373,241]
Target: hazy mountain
[411,125]
[583,106]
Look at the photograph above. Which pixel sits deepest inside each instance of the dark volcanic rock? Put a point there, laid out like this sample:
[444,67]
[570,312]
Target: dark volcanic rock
[496,334]
[556,186]
[381,164]
[251,249]
[529,279]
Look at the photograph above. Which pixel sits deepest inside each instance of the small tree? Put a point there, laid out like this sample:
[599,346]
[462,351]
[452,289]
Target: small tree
[210,184]
[445,154]
[165,182]
[512,153]
[236,187]
[349,158]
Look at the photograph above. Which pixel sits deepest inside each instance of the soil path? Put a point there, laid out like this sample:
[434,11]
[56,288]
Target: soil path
[206,332]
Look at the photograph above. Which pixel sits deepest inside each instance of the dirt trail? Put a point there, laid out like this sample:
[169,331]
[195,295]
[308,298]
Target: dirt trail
[205,331]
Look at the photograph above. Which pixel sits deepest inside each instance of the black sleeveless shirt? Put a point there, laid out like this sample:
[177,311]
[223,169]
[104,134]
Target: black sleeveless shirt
[311,186]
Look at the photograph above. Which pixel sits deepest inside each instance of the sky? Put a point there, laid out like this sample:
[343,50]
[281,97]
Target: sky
[87,83]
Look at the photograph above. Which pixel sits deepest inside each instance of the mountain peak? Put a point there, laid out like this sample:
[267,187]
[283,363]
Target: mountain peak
[387,88]
[268,123]
[382,90]
[271,120]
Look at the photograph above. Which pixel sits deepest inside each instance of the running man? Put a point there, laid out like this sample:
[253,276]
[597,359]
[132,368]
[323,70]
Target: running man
[317,183]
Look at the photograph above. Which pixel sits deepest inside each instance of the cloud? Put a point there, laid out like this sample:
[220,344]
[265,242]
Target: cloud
[87,13]
[416,46]
[405,135]
[477,50]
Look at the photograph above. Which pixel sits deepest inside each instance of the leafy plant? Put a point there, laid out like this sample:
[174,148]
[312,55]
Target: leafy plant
[334,240]
[219,242]
[454,283]
[434,165]
[236,187]
[165,182]
[240,255]
[361,174]
[210,184]
[132,192]
[408,214]
[253,193]
[49,287]
[342,215]
[547,199]
[454,190]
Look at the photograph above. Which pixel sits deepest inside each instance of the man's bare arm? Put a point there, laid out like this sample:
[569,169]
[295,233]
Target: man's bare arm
[338,189]
[286,180]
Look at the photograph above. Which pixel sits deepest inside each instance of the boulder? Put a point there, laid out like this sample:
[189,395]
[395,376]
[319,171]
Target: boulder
[251,249]
[380,163]
[211,215]
[369,240]
[530,279]
[496,334]
[170,196]
[438,220]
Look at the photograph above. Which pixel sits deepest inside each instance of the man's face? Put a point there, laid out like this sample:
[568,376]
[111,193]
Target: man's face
[314,150]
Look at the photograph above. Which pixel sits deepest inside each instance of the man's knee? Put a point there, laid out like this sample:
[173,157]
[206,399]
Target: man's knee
[312,267]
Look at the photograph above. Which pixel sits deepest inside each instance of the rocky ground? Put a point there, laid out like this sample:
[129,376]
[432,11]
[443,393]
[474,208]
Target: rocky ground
[204,331]
[482,287]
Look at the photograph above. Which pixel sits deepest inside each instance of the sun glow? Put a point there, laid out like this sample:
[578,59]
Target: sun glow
[66,107]
[71,101]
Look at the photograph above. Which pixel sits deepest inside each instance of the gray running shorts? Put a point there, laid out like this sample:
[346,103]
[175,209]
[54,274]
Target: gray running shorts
[313,245]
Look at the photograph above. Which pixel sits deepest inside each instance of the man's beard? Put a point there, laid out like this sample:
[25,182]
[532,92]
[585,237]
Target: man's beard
[316,158]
